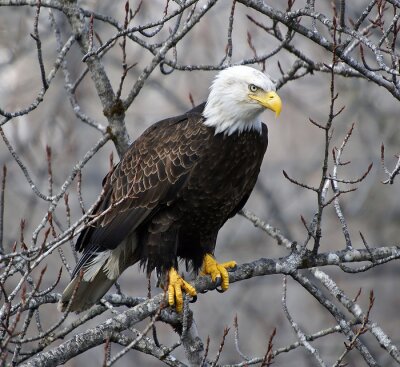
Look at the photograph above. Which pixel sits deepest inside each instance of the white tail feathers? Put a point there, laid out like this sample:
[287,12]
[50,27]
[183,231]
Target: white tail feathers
[99,274]
[86,295]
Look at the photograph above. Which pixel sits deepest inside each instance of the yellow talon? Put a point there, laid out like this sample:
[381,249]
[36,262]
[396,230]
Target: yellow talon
[215,270]
[175,286]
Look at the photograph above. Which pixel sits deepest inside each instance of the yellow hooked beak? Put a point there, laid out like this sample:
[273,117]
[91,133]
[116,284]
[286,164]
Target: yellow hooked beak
[269,100]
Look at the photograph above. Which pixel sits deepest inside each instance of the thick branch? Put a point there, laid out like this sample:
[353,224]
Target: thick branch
[112,108]
[285,265]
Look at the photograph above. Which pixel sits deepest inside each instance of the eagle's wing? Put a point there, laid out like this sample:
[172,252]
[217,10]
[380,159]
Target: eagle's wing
[150,174]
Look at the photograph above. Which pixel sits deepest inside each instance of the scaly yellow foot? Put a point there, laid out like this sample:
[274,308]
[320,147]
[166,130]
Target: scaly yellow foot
[216,270]
[175,286]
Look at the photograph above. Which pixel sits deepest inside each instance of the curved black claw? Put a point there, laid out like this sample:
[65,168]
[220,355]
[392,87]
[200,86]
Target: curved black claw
[232,268]
[193,300]
[218,285]
[204,292]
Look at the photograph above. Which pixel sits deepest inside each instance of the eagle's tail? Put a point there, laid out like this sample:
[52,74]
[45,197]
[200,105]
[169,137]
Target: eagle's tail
[87,293]
[95,273]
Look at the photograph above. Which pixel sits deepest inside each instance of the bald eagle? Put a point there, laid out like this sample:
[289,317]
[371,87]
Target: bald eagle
[173,190]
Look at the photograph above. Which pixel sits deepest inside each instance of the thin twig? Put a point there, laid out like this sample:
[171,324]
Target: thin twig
[2,208]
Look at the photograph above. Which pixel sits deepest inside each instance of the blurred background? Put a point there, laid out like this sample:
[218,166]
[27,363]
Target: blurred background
[296,146]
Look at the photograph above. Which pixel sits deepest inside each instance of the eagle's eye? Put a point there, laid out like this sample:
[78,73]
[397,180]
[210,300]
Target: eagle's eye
[253,88]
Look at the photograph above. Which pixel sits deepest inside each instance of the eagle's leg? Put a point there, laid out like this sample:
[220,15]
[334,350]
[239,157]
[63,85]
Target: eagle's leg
[215,270]
[175,286]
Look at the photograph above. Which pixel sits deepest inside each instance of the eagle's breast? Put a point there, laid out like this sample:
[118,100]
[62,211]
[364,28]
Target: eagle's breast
[218,186]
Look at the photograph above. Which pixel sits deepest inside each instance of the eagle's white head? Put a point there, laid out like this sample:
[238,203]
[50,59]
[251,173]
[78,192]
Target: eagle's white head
[238,95]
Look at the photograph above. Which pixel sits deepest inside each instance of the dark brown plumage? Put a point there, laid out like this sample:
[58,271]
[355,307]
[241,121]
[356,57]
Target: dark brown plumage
[174,188]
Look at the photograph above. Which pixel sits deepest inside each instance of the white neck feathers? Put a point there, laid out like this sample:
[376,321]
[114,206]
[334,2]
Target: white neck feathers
[230,120]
